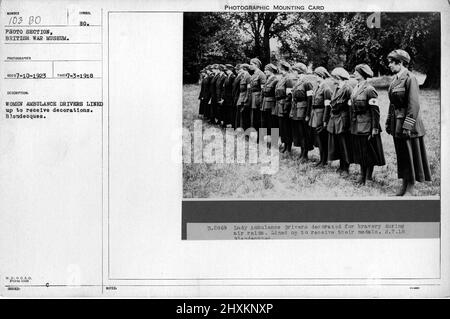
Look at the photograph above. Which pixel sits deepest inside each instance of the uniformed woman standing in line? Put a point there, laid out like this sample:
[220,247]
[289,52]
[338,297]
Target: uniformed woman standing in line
[301,102]
[404,123]
[243,103]
[321,99]
[236,84]
[219,94]
[227,109]
[207,107]
[337,121]
[204,91]
[367,148]
[213,92]
[283,106]
[269,101]
[257,80]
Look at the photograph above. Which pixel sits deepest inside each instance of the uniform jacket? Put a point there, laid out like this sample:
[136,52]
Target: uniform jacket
[337,115]
[219,86]
[364,110]
[236,83]
[321,97]
[204,89]
[228,90]
[404,108]
[212,88]
[268,92]
[257,81]
[243,100]
[302,97]
[283,95]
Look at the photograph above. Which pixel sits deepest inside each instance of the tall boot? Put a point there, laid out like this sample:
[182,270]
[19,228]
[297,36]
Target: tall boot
[319,163]
[324,157]
[321,158]
[289,147]
[304,158]
[362,177]
[345,166]
[369,173]
[402,189]
[302,151]
[410,189]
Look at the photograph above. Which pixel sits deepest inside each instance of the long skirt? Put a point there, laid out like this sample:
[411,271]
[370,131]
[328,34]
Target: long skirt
[233,116]
[201,108]
[321,141]
[275,121]
[219,111]
[302,134]
[412,161]
[339,147]
[295,128]
[243,118]
[227,112]
[367,152]
[255,118]
[213,114]
[285,129]
[266,120]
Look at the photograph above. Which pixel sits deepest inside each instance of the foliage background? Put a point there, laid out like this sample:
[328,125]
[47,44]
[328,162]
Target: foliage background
[316,39]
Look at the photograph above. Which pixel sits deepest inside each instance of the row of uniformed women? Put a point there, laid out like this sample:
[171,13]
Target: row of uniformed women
[344,122]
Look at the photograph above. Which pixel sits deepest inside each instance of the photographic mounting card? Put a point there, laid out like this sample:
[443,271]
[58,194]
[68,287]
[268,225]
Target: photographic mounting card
[113,185]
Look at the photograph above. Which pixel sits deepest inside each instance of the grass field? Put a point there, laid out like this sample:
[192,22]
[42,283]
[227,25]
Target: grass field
[300,181]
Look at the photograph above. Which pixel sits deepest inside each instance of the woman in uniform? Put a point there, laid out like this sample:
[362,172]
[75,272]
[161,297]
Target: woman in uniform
[236,84]
[367,148]
[257,80]
[204,95]
[202,91]
[404,123]
[243,103]
[213,92]
[283,106]
[220,94]
[337,121]
[227,107]
[269,102]
[321,98]
[301,102]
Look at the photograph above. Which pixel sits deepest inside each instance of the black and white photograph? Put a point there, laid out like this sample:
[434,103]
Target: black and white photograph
[297,105]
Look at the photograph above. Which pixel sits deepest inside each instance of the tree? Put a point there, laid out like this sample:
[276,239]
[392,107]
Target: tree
[209,38]
[327,39]
[261,27]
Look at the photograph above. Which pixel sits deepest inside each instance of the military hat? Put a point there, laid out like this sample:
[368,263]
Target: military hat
[364,70]
[300,67]
[245,66]
[340,73]
[322,72]
[256,61]
[229,66]
[272,68]
[285,65]
[400,55]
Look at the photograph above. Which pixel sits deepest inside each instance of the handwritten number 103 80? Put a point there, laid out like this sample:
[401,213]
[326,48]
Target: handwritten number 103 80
[18,20]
